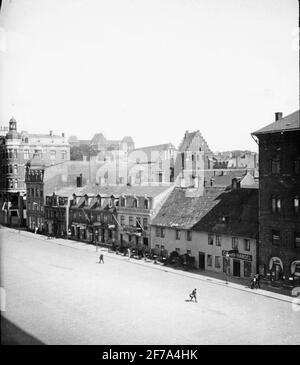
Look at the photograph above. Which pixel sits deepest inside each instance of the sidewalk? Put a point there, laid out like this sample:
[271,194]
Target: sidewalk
[210,277]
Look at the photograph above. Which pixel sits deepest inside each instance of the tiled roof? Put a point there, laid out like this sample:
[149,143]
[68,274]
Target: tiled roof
[288,123]
[180,211]
[225,179]
[205,213]
[158,147]
[239,207]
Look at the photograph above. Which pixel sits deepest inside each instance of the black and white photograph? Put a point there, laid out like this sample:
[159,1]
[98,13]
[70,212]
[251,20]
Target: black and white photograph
[149,175]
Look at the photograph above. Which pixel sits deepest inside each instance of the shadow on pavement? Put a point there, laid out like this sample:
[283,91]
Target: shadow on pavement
[13,335]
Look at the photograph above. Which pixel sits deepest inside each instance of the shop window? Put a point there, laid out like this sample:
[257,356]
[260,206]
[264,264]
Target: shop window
[218,240]
[177,234]
[235,243]
[210,239]
[297,239]
[275,238]
[246,245]
[209,260]
[247,269]
[218,262]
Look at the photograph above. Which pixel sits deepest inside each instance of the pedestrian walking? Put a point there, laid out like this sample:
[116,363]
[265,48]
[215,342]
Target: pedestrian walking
[257,281]
[101,259]
[193,295]
[253,282]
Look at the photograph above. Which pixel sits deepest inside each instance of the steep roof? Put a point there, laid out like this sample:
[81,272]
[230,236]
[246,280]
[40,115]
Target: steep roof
[205,213]
[288,123]
[181,211]
[236,214]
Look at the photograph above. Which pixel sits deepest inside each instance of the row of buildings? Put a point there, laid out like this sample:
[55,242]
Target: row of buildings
[177,206]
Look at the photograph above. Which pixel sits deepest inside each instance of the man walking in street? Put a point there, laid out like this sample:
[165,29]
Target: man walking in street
[101,259]
[193,296]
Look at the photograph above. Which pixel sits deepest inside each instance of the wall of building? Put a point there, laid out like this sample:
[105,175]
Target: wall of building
[199,243]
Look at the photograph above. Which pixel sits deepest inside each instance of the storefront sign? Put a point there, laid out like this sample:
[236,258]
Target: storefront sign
[240,256]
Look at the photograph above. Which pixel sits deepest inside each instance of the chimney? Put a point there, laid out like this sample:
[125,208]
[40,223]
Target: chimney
[278,116]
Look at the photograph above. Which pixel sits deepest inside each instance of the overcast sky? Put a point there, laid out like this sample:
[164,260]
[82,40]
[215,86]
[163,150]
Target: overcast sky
[149,68]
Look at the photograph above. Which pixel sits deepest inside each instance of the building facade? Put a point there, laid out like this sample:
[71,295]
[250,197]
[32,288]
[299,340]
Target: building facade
[203,230]
[279,197]
[16,149]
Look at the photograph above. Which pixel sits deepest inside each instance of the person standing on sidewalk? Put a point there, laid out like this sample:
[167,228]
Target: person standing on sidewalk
[101,259]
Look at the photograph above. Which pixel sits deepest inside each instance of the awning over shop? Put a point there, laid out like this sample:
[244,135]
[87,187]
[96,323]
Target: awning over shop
[295,267]
[275,261]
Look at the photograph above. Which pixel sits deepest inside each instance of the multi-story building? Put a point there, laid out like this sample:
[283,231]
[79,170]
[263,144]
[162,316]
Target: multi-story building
[202,230]
[16,149]
[118,215]
[279,197]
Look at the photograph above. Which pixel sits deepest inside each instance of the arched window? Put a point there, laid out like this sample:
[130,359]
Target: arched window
[146,203]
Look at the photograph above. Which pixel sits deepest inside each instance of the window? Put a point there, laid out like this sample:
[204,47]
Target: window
[10,169]
[10,153]
[296,204]
[26,154]
[138,222]
[146,203]
[209,260]
[218,262]
[122,220]
[157,231]
[218,240]
[177,234]
[210,239]
[15,184]
[63,155]
[123,202]
[235,244]
[297,239]
[131,221]
[145,223]
[246,245]
[275,164]
[297,166]
[275,237]
[135,203]
[52,155]
[247,269]
[276,204]
[188,252]
[162,232]
[15,169]
[188,235]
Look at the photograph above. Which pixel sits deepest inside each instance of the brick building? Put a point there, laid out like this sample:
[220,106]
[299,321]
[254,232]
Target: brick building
[279,196]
